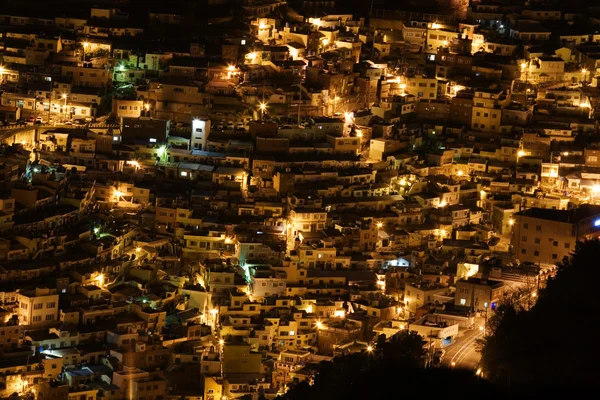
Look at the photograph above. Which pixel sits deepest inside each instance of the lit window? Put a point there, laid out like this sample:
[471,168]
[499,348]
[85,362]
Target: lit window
[184,173]
[152,140]
[243,42]
[463,302]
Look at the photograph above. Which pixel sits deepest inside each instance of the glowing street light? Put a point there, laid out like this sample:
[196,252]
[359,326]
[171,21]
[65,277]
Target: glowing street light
[459,173]
[520,153]
[369,349]
[319,325]
[380,225]
[85,46]
[65,96]
[511,222]
[221,342]
[263,108]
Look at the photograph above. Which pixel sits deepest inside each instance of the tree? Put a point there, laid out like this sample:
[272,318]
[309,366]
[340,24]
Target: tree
[553,342]
[371,375]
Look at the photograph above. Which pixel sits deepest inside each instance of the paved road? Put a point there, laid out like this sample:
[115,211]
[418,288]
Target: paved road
[463,353]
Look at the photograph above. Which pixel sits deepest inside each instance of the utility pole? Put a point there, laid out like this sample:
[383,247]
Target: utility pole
[299,102]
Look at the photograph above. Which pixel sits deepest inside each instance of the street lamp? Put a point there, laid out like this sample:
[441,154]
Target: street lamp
[64,96]
[85,46]
[523,68]
[380,225]
[511,222]
[263,107]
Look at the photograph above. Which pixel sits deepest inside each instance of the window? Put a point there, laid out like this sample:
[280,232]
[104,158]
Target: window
[243,42]
[37,318]
[38,306]
[50,317]
[536,253]
[538,228]
[51,305]
[567,245]
[523,251]
[524,239]
[537,240]
[526,226]
[463,302]
[554,256]
[555,244]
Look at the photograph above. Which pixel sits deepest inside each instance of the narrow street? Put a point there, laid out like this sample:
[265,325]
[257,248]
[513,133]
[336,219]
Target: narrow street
[463,353]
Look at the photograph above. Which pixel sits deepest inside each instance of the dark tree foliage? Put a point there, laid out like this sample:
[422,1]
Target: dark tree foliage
[554,345]
[394,369]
